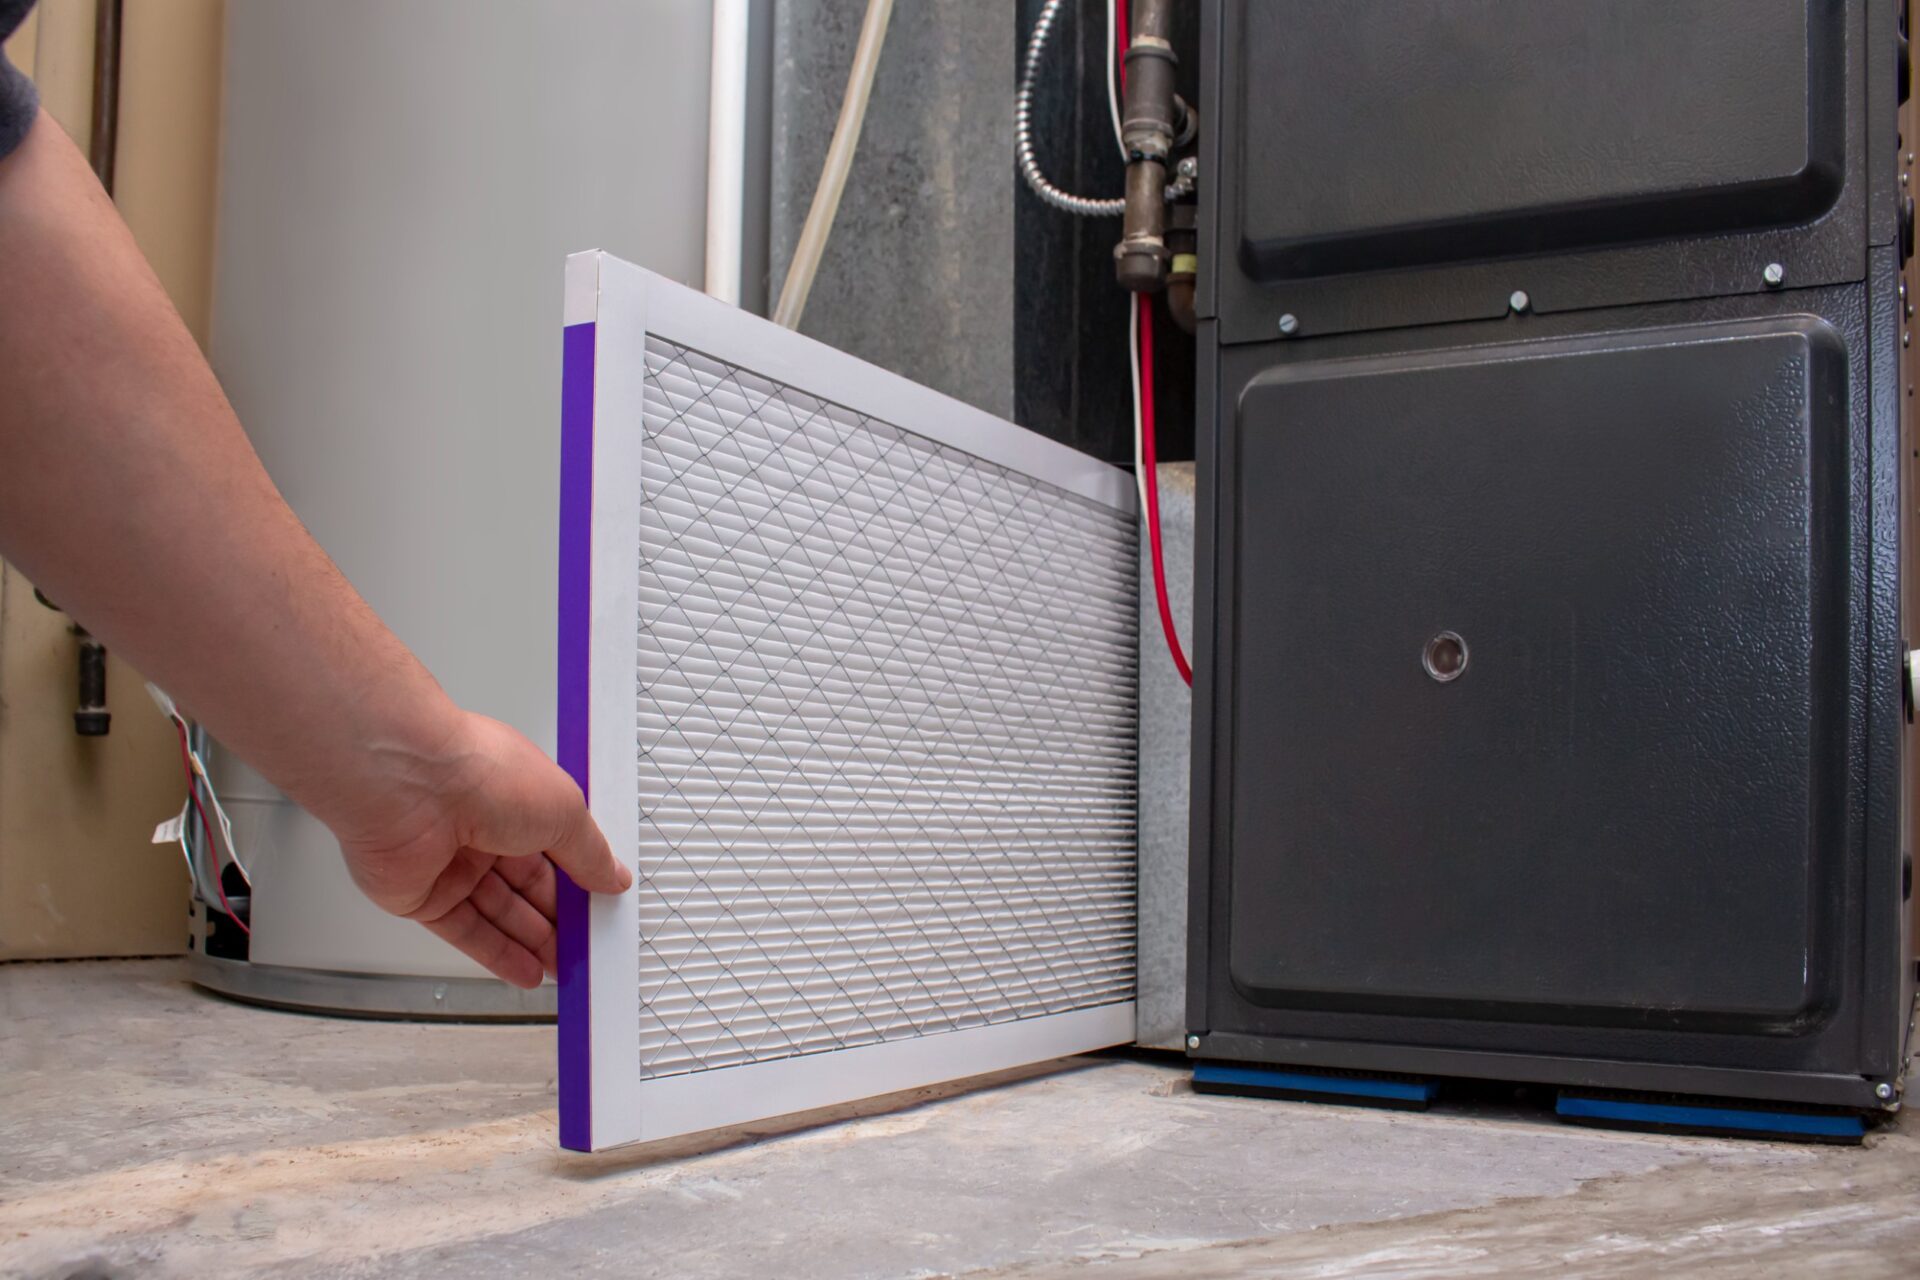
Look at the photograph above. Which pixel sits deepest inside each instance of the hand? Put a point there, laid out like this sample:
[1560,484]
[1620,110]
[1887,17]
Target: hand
[105,405]
[466,843]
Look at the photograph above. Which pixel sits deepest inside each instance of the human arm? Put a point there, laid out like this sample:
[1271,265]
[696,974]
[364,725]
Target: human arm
[128,491]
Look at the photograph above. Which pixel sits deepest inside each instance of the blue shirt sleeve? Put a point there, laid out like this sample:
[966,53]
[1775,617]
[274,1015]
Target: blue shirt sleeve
[19,104]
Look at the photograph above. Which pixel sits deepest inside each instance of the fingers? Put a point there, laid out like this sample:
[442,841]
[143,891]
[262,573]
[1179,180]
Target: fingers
[532,879]
[481,939]
[511,913]
[481,869]
[453,885]
[532,807]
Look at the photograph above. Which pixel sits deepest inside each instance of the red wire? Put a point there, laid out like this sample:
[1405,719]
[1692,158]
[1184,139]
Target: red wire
[1147,451]
[1147,462]
[193,792]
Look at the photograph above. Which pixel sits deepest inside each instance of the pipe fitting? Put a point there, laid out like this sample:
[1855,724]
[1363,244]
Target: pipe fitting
[1141,257]
[1149,126]
[1183,267]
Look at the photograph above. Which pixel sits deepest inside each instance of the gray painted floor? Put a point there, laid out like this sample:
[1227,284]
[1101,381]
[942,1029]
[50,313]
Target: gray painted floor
[148,1130]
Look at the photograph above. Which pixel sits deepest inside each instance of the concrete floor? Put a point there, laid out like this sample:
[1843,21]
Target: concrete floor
[146,1129]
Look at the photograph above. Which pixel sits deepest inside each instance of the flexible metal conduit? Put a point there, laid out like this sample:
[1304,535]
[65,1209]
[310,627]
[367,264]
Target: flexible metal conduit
[1079,206]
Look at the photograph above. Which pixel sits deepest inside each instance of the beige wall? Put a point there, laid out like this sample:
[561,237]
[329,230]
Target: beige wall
[61,61]
[19,46]
[169,148]
[78,875]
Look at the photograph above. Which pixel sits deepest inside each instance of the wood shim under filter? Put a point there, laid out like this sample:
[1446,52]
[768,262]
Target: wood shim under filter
[848,671]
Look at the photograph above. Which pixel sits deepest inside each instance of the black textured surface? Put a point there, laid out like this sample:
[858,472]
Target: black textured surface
[1546,1063]
[1852,1030]
[1458,152]
[1381,135]
[1640,536]
[1675,764]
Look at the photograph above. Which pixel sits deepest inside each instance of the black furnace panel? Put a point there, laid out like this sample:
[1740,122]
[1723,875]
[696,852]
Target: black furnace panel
[1631,548]
[1549,716]
[1381,163]
[1588,124]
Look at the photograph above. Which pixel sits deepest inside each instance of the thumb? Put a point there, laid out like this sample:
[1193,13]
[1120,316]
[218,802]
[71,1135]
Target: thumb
[582,851]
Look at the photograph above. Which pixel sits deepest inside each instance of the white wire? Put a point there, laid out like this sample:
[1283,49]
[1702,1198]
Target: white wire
[200,885]
[1133,305]
[1139,443]
[220,812]
[1133,308]
[199,768]
[833,173]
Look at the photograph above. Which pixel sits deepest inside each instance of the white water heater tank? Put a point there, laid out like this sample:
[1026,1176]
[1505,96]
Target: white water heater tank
[400,186]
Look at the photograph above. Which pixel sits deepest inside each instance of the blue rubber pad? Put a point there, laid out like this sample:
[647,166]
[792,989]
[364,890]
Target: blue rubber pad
[1334,1087]
[1785,1124]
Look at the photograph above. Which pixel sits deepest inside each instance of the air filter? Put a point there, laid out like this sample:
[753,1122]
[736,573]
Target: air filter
[848,672]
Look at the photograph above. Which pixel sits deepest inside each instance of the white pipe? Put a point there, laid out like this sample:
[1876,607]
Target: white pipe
[727,150]
[833,174]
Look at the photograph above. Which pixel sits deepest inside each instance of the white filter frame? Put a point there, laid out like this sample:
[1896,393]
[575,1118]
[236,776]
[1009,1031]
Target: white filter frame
[611,309]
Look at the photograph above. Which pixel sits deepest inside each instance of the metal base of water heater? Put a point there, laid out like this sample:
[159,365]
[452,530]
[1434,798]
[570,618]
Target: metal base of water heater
[371,995]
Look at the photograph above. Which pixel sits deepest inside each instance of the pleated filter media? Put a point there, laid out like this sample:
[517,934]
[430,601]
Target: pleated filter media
[885,730]
[849,672]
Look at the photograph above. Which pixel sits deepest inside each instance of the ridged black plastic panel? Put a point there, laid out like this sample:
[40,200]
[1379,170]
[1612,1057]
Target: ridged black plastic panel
[1383,163]
[1383,135]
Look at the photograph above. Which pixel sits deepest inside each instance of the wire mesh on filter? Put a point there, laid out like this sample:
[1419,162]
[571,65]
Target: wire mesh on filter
[887,697]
